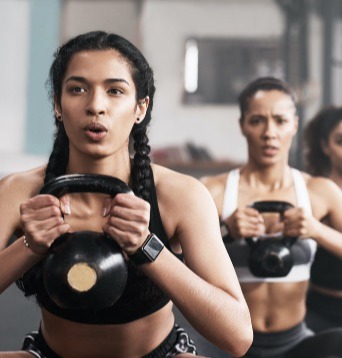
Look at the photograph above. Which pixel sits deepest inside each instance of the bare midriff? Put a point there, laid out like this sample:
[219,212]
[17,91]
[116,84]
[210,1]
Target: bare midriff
[133,339]
[275,307]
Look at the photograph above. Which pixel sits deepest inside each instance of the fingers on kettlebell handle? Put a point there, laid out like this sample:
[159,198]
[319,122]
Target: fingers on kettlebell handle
[65,205]
[107,202]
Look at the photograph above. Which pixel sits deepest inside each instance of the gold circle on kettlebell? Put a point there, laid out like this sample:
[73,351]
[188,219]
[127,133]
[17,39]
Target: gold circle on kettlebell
[81,277]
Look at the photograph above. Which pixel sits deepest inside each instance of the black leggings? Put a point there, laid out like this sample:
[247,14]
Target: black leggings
[327,344]
[323,312]
[297,342]
[175,343]
[273,345]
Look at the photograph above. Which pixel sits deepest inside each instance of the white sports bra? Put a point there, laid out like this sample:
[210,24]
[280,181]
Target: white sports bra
[303,250]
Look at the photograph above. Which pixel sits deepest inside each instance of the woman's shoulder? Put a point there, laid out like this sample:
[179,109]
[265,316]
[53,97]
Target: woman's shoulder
[27,182]
[171,179]
[317,182]
[320,186]
[172,184]
[214,181]
[181,197]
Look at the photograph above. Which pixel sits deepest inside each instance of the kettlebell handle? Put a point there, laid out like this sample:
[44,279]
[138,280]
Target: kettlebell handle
[272,206]
[85,183]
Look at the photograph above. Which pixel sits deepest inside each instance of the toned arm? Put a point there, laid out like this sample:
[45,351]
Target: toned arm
[206,289]
[16,258]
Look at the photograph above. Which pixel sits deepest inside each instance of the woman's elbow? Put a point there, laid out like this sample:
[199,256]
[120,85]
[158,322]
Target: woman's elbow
[243,343]
[240,338]
[243,336]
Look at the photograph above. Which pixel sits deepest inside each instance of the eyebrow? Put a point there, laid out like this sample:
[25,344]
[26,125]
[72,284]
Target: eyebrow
[85,81]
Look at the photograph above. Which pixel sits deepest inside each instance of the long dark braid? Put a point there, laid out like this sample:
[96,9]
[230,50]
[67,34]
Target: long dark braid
[141,164]
[141,161]
[58,160]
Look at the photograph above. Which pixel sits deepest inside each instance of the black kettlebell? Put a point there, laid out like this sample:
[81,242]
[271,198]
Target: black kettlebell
[84,269]
[271,256]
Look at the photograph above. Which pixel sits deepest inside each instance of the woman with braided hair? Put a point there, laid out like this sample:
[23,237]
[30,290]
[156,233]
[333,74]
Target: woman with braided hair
[102,91]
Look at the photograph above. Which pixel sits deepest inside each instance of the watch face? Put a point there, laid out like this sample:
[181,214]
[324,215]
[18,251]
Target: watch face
[153,247]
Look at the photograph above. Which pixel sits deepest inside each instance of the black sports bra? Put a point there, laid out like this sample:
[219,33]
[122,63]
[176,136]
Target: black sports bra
[140,298]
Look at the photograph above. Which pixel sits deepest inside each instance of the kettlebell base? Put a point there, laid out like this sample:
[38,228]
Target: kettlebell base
[85,270]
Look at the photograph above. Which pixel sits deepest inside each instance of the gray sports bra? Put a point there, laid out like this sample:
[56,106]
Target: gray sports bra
[303,250]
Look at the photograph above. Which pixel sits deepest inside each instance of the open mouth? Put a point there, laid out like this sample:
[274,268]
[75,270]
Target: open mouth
[96,131]
[269,150]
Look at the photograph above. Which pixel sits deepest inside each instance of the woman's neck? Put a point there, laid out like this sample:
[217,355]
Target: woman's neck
[116,167]
[267,179]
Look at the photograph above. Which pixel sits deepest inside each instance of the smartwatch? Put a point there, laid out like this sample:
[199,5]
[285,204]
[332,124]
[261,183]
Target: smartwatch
[149,250]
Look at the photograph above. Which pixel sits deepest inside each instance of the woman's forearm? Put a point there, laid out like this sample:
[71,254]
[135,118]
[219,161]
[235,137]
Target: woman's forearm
[203,304]
[15,260]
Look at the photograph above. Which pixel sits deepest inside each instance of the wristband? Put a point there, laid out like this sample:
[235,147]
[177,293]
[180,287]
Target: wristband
[29,247]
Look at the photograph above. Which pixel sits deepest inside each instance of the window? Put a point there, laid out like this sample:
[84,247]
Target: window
[216,70]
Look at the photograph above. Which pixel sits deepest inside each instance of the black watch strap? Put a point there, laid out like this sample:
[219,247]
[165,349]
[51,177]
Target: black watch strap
[149,250]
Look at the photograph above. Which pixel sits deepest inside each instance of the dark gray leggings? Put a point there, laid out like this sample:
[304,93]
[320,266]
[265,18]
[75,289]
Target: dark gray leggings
[297,342]
[326,344]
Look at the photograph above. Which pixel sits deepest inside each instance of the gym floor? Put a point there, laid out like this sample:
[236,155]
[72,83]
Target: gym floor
[20,315]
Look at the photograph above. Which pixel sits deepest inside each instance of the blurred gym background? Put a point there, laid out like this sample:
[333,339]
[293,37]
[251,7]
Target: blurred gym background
[203,53]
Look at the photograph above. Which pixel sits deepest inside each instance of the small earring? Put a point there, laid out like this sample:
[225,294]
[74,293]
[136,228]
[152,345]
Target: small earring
[138,119]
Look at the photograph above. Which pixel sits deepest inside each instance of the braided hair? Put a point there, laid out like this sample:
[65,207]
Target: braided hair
[143,79]
[317,132]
